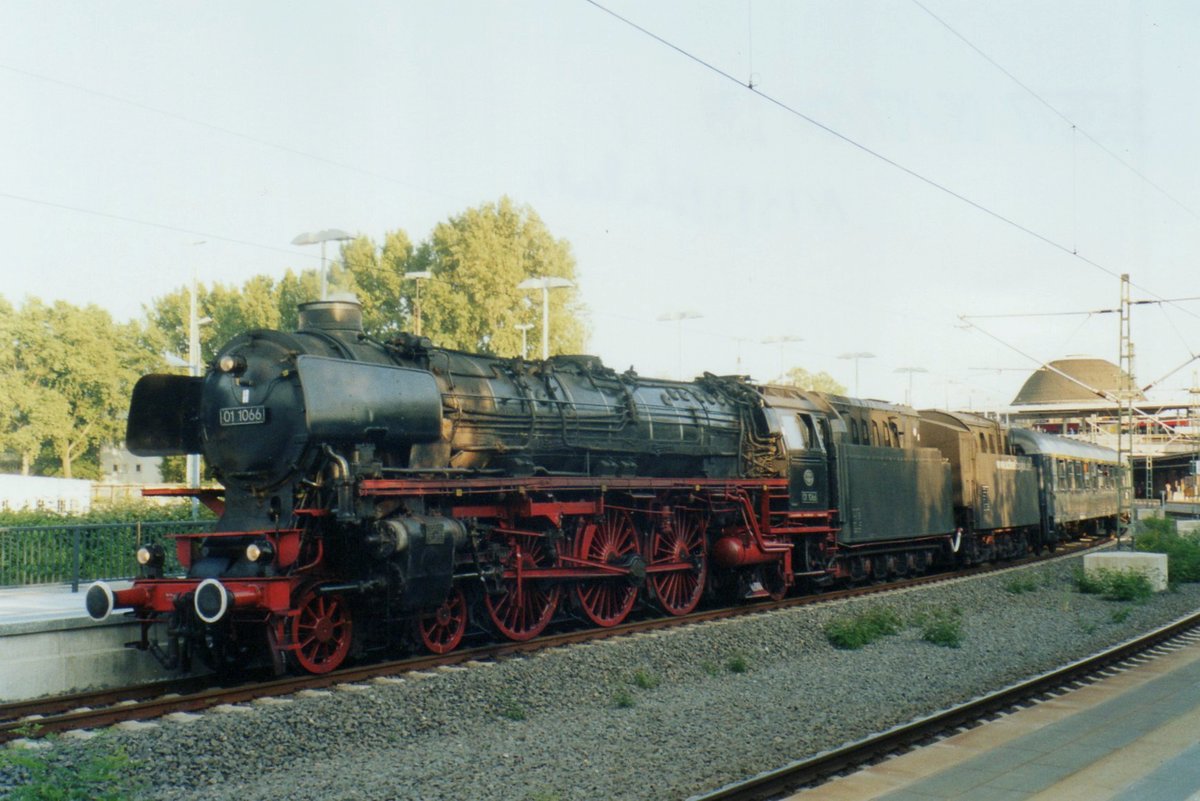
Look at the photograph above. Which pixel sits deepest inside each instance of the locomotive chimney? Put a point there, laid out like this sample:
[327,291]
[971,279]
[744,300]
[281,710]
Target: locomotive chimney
[336,314]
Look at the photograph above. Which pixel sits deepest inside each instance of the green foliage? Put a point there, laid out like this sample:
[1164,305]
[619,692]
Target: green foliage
[66,374]
[510,709]
[737,664]
[709,667]
[128,512]
[623,698]
[1159,535]
[942,626]
[1022,583]
[855,631]
[47,775]
[645,680]
[803,379]
[1114,585]
[1120,615]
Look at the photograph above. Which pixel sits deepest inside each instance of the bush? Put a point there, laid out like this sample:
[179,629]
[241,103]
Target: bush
[130,512]
[1021,584]
[942,627]
[1115,585]
[853,632]
[44,776]
[1158,535]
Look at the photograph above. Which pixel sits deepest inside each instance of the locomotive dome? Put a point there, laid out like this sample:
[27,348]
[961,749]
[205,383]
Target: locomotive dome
[1046,386]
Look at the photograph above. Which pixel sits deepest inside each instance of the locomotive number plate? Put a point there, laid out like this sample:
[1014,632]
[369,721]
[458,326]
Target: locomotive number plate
[243,415]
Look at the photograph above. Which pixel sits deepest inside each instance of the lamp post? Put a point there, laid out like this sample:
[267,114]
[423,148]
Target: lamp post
[418,276]
[857,356]
[545,283]
[910,371]
[781,340]
[678,318]
[312,238]
[524,329]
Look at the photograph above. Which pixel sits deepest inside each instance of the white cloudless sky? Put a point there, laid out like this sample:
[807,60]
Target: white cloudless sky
[132,130]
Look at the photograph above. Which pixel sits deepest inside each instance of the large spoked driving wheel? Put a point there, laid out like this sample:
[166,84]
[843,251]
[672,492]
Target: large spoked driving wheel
[442,630]
[679,542]
[320,632]
[610,540]
[525,606]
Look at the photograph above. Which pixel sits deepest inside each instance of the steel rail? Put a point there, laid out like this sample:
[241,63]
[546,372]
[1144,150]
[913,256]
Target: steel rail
[816,769]
[40,717]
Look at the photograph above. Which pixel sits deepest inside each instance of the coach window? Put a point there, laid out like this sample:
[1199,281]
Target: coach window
[853,430]
[895,435]
[875,433]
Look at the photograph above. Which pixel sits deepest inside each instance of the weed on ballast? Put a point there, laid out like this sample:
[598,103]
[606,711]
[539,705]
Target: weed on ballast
[622,698]
[854,631]
[645,680]
[1120,615]
[1019,585]
[509,709]
[709,667]
[1114,585]
[737,664]
[942,626]
[45,774]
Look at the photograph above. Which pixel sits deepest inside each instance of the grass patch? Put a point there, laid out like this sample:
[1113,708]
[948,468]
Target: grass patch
[623,698]
[855,631]
[111,776]
[1157,535]
[710,667]
[1019,585]
[737,664]
[1114,585]
[645,680]
[511,710]
[1120,615]
[943,627]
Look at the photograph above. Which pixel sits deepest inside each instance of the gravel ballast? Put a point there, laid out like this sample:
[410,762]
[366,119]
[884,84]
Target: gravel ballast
[654,716]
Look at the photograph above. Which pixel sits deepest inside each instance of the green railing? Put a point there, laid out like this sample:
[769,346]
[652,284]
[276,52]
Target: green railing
[74,554]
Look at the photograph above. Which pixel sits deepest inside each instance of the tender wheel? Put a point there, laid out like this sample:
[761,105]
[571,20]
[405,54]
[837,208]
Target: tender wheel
[679,541]
[442,630]
[525,606]
[610,540]
[320,632]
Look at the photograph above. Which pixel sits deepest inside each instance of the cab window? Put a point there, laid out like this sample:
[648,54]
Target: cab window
[793,432]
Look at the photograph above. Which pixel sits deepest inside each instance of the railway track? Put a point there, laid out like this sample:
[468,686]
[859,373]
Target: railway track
[37,718]
[815,770]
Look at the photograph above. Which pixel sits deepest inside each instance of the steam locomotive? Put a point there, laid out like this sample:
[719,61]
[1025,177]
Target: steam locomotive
[382,492]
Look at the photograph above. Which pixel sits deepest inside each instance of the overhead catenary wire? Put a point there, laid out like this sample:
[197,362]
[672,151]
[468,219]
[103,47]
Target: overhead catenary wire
[845,138]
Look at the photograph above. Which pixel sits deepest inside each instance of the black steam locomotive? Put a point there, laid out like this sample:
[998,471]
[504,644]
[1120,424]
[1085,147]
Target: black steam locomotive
[377,490]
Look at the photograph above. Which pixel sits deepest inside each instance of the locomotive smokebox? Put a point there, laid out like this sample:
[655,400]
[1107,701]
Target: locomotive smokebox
[339,314]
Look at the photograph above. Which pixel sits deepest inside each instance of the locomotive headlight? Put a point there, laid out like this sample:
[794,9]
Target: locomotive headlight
[232,364]
[150,555]
[260,551]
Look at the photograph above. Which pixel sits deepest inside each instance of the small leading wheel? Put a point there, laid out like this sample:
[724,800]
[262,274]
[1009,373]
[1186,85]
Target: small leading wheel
[320,631]
[610,540]
[679,541]
[525,606]
[441,630]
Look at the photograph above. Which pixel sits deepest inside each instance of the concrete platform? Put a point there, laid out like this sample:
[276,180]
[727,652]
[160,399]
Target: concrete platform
[1132,737]
[49,646]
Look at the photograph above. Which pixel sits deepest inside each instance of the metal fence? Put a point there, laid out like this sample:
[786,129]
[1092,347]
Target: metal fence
[61,554]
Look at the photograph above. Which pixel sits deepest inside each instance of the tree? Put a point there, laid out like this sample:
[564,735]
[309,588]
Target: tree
[376,276]
[477,260]
[68,376]
[819,382]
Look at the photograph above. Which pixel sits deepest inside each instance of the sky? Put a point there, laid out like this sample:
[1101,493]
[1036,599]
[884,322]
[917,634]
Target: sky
[881,179]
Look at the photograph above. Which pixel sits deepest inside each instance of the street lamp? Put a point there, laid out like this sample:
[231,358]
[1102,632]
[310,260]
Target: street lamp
[910,371]
[545,283]
[781,340]
[313,237]
[678,318]
[194,323]
[417,276]
[524,329]
[857,356]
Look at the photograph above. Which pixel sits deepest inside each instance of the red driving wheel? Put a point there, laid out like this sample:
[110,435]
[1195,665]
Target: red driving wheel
[610,540]
[525,606]
[442,630]
[320,632]
[679,541]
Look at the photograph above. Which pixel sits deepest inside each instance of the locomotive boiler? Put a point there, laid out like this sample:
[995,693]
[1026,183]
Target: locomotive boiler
[377,493]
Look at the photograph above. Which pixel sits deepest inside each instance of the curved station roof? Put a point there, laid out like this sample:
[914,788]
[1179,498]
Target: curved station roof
[1048,386]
